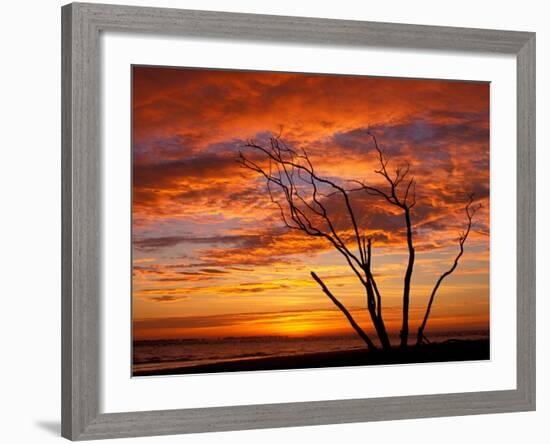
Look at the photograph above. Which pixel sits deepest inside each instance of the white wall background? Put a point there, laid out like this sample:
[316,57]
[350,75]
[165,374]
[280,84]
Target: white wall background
[30,222]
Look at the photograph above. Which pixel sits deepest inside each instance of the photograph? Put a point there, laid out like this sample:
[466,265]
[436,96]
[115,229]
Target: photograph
[301,220]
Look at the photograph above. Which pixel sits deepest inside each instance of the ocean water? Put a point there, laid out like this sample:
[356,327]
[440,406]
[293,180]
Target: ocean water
[179,353]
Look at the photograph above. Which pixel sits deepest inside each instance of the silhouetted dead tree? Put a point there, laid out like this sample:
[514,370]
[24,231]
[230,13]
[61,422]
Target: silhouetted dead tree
[302,199]
[470,212]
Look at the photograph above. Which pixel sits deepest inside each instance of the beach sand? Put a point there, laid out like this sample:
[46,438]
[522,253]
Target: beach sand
[463,350]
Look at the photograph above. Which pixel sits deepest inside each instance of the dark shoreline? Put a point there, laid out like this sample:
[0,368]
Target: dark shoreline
[454,350]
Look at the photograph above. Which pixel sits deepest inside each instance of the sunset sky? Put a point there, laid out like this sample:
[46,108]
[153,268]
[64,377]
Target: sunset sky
[211,256]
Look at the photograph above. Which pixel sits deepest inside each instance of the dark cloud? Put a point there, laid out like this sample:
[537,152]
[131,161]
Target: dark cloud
[221,320]
[420,137]
[167,298]
[171,241]
[213,271]
[180,293]
[160,174]
[252,288]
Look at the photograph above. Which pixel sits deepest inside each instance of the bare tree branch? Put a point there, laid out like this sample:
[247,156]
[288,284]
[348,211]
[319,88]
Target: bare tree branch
[344,310]
[470,212]
[286,182]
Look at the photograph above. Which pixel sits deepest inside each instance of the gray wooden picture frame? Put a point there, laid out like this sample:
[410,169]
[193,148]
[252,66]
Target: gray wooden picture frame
[81,234]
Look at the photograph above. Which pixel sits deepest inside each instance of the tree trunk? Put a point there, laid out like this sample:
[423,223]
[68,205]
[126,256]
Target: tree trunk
[377,321]
[407,282]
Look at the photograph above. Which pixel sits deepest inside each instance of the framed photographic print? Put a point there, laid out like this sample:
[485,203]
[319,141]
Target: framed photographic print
[244,238]
[279,221]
